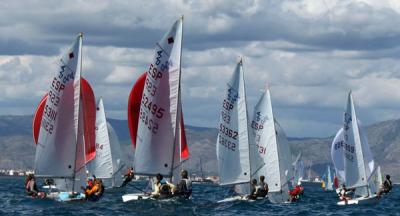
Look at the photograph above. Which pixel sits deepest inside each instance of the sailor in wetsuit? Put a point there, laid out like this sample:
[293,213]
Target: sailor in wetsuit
[184,187]
[162,188]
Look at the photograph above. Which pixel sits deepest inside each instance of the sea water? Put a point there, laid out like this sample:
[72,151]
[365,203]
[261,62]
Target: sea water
[315,201]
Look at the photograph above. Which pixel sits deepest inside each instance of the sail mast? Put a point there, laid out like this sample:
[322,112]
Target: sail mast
[80,69]
[179,109]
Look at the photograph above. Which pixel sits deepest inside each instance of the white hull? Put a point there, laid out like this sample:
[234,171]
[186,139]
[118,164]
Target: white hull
[135,196]
[240,198]
[361,201]
[65,196]
[141,196]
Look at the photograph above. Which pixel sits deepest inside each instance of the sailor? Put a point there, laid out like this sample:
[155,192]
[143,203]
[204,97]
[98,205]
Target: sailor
[295,193]
[343,196]
[263,187]
[184,187]
[96,191]
[253,190]
[128,177]
[386,187]
[30,186]
[162,188]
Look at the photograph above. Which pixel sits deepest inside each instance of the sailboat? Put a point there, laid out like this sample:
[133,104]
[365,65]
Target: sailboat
[233,141]
[64,128]
[155,113]
[278,157]
[108,163]
[353,159]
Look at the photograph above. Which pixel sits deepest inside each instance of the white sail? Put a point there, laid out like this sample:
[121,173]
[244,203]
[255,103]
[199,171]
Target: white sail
[261,113]
[284,159]
[233,137]
[337,154]
[102,165]
[156,138]
[118,161]
[329,183]
[56,152]
[275,152]
[357,157]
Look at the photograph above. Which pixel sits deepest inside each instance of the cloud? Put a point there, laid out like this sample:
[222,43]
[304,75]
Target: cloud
[310,52]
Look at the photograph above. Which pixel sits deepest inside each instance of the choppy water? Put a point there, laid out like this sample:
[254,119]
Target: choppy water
[315,202]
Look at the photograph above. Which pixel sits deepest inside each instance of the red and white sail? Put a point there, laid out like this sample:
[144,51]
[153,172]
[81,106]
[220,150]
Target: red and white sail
[58,134]
[63,125]
[89,119]
[158,132]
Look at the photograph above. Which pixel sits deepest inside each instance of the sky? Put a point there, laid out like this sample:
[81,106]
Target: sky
[309,52]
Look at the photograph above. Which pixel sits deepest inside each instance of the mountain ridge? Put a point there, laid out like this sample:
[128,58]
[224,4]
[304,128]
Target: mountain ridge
[18,149]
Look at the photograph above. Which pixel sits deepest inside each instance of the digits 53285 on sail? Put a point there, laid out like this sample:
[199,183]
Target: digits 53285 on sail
[150,112]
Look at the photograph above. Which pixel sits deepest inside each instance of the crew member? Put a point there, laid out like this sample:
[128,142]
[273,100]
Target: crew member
[184,187]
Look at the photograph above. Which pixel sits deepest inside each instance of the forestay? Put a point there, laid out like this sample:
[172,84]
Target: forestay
[233,137]
[158,119]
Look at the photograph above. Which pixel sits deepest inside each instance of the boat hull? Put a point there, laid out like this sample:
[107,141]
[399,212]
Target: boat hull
[360,201]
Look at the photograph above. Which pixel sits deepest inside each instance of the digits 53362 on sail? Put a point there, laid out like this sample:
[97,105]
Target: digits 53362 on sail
[227,136]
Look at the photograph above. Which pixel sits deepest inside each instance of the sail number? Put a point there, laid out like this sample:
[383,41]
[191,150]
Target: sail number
[54,99]
[46,125]
[152,107]
[228,132]
[256,125]
[226,117]
[150,87]
[227,105]
[261,149]
[154,72]
[150,123]
[227,143]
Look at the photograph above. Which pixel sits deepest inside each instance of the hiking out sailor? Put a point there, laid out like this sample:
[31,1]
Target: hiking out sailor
[95,192]
[128,177]
[184,187]
[263,187]
[295,193]
[386,187]
[343,194]
[30,186]
[253,190]
[162,188]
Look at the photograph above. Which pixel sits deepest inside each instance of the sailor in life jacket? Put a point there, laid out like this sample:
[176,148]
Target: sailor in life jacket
[162,188]
[96,191]
[184,187]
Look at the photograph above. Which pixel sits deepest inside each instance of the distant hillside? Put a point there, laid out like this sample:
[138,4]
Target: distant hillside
[384,138]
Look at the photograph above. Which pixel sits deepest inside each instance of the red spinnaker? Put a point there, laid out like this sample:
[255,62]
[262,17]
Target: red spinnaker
[135,99]
[89,116]
[37,118]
